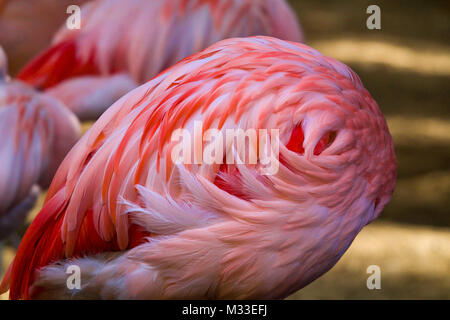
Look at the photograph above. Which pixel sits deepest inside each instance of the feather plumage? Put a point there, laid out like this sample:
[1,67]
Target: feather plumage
[170,230]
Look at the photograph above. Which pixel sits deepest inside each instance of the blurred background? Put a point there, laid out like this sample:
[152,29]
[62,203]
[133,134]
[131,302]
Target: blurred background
[406,68]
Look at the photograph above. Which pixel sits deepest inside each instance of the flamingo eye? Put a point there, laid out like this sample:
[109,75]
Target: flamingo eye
[326,140]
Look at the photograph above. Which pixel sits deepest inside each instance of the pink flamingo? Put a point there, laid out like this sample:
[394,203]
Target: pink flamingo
[139,225]
[36,133]
[125,43]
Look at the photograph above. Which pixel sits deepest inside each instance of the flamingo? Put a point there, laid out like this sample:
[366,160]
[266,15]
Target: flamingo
[125,43]
[140,225]
[36,133]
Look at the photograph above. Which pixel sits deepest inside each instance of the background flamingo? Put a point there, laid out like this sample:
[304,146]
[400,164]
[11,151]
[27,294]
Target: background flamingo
[125,43]
[36,133]
[140,226]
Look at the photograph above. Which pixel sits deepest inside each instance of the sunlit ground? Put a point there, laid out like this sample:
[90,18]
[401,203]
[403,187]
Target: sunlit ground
[406,67]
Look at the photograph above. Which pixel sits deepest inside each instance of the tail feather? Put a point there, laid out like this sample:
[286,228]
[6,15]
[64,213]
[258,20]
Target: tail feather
[43,244]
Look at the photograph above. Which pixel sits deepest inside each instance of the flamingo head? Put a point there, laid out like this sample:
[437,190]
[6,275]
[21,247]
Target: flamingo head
[335,150]
[338,149]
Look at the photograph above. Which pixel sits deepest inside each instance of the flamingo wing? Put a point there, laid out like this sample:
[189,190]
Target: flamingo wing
[36,133]
[144,37]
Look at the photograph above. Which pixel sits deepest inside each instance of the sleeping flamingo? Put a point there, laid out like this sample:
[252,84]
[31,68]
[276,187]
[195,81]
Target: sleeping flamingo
[125,43]
[140,225]
[36,133]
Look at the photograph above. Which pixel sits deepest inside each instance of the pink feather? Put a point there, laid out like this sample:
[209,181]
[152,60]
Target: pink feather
[170,230]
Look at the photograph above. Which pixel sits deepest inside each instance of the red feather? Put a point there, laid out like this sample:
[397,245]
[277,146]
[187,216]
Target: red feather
[297,138]
[57,64]
[42,245]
